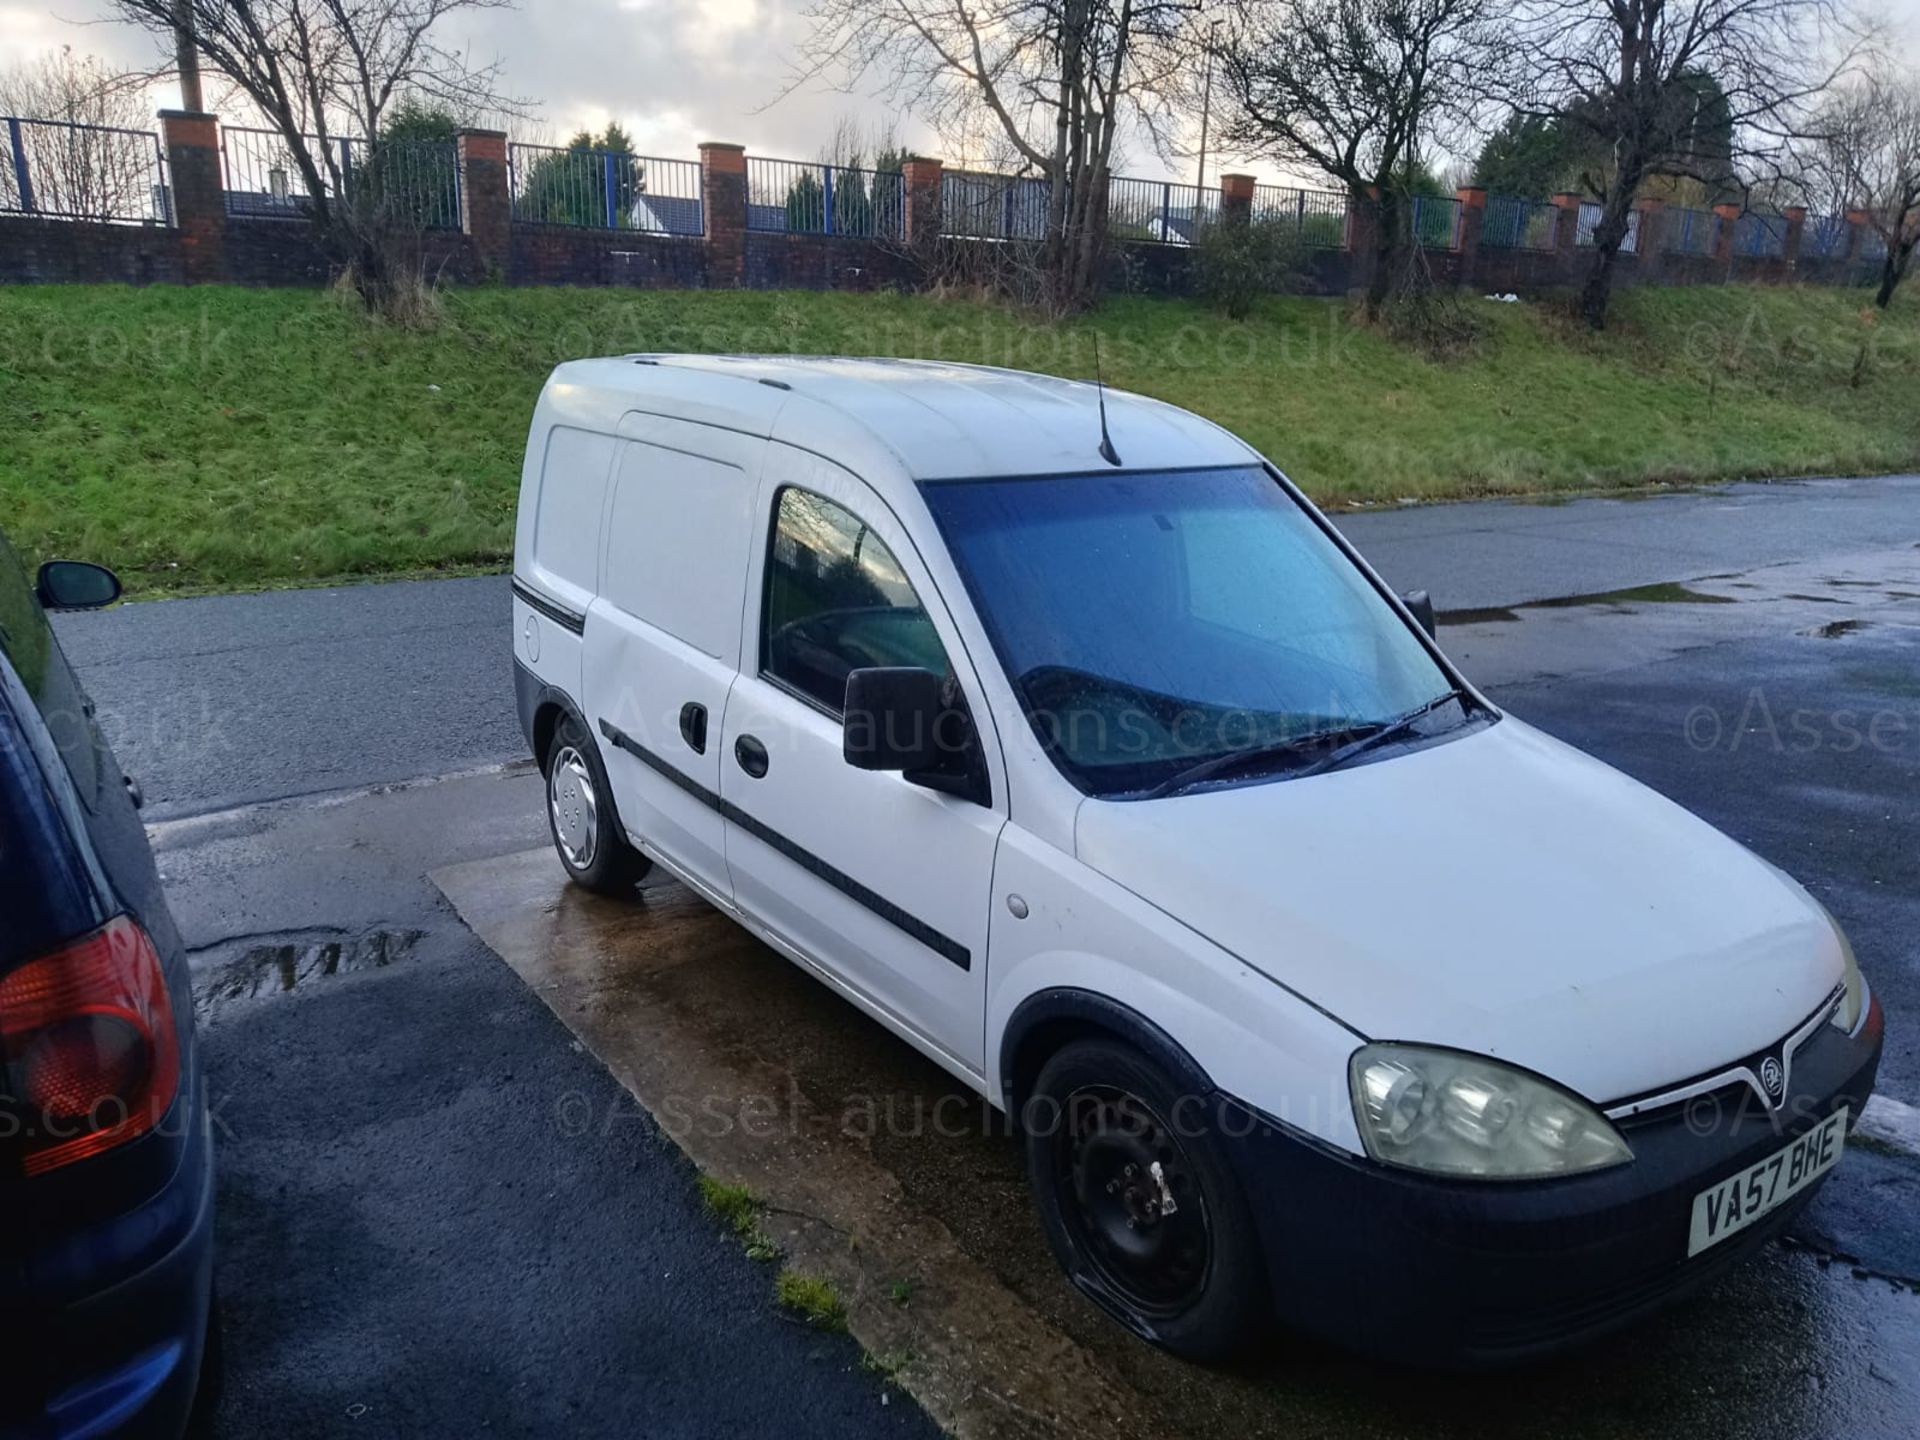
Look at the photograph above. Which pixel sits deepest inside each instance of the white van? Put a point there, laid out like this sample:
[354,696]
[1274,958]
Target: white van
[1071,744]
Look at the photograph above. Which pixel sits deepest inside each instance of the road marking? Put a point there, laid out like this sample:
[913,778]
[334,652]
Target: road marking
[1892,1122]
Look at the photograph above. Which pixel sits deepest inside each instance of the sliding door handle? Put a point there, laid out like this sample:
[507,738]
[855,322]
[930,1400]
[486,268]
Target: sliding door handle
[693,726]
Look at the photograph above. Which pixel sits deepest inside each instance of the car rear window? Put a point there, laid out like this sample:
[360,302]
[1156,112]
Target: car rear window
[28,641]
[44,893]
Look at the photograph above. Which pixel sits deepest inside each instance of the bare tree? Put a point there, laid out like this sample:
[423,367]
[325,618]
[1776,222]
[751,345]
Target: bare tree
[1867,158]
[1054,79]
[84,169]
[318,70]
[1643,83]
[1349,88]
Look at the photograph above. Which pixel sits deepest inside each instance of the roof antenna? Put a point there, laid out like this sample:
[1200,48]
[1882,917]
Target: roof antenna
[1107,452]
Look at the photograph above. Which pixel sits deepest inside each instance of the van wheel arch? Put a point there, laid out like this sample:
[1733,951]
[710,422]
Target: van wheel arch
[1049,1019]
[546,720]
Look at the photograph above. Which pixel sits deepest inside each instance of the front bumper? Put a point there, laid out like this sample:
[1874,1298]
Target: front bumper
[1453,1273]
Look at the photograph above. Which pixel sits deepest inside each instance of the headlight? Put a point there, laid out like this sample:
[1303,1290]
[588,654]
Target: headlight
[1457,1114]
[1847,1017]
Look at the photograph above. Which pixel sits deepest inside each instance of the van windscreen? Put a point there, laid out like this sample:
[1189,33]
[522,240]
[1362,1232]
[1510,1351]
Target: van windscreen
[1149,620]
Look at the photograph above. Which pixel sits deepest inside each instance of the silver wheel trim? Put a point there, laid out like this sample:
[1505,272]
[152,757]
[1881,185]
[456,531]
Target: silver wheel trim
[574,807]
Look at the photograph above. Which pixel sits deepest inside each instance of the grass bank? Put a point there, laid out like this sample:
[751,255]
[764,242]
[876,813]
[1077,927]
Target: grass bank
[219,438]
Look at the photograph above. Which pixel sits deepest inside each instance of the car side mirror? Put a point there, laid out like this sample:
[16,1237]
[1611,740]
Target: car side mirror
[916,722]
[892,719]
[1421,604]
[76,585]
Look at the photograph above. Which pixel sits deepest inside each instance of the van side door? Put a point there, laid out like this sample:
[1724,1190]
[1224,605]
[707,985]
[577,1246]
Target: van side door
[881,885]
[663,634]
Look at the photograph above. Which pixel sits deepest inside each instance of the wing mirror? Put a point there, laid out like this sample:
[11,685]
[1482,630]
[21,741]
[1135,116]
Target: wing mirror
[915,722]
[892,714]
[1421,604]
[76,585]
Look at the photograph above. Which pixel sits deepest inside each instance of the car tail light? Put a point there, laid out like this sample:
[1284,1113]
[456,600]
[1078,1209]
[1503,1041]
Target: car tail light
[88,1040]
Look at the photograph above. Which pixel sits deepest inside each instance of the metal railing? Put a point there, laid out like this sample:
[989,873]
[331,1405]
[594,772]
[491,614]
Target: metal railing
[604,190]
[1436,222]
[1158,210]
[1760,237]
[1320,214]
[1873,245]
[1825,237]
[983,206]
[414,181]
[1511,223]
[797,198]
[1588,226]
[1690,232]
[68,171]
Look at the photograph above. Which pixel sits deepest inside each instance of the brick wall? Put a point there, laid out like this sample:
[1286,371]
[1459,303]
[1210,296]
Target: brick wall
[77,251]
[824,262]
[561,255]
[207,244]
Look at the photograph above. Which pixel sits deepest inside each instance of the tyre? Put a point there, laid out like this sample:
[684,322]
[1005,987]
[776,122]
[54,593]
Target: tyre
[580,816]
[1144,1216]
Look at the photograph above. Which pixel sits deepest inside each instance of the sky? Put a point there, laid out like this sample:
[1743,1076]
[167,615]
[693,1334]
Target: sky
[672,72]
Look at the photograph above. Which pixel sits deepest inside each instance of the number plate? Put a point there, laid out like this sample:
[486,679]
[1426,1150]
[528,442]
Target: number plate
[1738,1201]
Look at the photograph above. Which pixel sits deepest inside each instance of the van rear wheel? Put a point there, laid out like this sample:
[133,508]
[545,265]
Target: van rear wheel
[1144,1214]
[580,816]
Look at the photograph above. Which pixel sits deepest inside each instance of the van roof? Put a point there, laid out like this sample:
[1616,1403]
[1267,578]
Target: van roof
[933,420]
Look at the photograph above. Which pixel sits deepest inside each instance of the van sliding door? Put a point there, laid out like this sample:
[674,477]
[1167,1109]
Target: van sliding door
[663,635]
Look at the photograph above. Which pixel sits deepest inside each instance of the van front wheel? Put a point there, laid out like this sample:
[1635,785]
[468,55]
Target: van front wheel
[1143,1213]
[580,817]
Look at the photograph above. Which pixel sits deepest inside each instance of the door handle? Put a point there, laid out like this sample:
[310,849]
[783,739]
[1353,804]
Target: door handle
[693,726]
[752,756]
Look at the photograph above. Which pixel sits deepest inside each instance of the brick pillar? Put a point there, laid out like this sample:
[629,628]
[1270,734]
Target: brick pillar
[1473,220]
[199,199]
[922,179]
[1236,199]
[486,197]
[1857,222]
[723,199]
[1649,246]
[1363,224]
[1723,242]
[1796,229]
[1566,234]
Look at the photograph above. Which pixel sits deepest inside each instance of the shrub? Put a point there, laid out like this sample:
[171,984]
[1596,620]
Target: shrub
[1240,263]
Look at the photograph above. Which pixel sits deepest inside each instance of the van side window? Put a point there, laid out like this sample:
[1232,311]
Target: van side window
[837,601]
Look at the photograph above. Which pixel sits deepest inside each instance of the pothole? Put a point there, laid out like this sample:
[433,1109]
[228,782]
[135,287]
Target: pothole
[1834,629]
[294,964]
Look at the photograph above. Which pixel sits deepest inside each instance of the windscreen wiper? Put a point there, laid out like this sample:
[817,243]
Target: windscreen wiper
[1256,756]
[1253,757]
[1392,730]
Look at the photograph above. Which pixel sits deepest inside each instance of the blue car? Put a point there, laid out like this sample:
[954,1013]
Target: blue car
[106,1154]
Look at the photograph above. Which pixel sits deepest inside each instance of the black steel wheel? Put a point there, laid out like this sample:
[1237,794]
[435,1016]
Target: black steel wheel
[1138,1215]
[1145,1216]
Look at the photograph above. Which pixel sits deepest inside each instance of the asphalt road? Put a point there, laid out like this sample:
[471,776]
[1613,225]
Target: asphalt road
[230,699]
